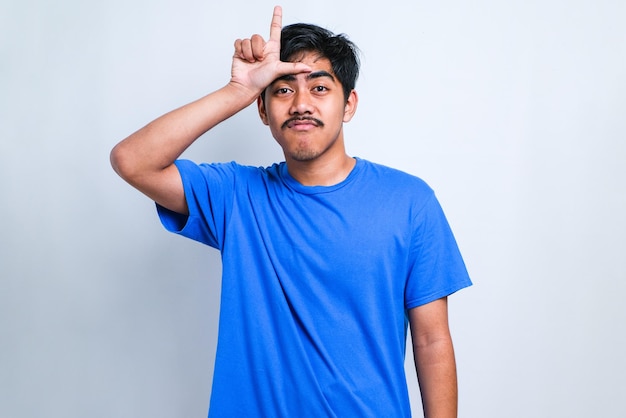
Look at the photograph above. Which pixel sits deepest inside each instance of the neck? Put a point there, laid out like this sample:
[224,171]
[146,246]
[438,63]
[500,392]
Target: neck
[321,173]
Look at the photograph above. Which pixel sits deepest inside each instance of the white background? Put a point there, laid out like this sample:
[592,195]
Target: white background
[513,111]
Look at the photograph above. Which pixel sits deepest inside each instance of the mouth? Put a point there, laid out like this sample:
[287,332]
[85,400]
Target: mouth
[302,123]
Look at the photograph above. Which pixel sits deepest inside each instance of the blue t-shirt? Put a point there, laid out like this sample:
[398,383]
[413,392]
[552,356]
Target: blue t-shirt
[316,284]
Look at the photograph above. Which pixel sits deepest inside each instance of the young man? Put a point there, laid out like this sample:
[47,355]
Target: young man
[326,258]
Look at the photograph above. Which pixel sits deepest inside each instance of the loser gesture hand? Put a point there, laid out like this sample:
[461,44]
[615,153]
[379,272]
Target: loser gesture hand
[256,63]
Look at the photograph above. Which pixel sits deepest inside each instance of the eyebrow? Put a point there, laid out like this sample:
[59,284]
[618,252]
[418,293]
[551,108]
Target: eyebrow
[310,76]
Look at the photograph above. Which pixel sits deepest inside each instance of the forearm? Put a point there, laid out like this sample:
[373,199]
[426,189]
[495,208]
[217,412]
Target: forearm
[436,372]
[158,144]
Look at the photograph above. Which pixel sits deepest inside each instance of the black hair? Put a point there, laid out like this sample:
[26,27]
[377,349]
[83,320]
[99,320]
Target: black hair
[343,54]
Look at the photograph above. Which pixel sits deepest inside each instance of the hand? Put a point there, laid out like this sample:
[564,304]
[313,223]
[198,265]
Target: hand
[256,63]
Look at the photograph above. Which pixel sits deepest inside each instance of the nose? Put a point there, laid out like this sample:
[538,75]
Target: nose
[301,103]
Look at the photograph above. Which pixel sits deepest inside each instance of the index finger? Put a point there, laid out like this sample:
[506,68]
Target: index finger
[277,24]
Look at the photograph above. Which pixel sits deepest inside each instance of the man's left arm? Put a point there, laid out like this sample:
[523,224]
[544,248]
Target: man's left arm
[434,359]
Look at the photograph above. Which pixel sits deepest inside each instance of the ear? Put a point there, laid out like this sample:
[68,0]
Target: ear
[351,105]
[262,111]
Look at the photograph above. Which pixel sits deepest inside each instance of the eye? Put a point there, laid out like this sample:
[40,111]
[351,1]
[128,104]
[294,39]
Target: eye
[282,91]
[320,89]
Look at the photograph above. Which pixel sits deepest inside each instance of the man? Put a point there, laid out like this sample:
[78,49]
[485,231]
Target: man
[326,258]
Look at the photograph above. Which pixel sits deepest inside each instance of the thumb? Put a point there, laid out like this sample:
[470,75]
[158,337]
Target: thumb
[285,68]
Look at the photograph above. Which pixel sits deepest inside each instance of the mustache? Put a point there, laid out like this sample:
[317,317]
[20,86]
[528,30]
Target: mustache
[301,118]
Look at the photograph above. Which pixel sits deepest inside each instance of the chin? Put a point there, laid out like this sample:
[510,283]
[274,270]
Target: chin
[304,155]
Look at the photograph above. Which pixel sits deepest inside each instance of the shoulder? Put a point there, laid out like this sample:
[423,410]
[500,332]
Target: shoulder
[394,179]
[226,170]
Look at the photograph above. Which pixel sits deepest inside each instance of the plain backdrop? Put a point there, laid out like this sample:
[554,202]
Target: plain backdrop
[513,111]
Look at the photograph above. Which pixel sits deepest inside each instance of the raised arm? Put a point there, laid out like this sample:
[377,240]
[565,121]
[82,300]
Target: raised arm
[434,359]
[146,158]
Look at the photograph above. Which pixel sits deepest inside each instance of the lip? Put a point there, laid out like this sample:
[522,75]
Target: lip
[301,125]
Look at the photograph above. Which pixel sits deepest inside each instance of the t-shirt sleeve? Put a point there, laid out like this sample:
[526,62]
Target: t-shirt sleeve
[209,192]
[436,268]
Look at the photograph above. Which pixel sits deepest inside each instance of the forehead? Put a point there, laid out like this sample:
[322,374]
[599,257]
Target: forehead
[314,60]
[320,69]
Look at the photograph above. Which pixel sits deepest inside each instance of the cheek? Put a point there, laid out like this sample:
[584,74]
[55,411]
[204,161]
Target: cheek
[275,130]
[273,114]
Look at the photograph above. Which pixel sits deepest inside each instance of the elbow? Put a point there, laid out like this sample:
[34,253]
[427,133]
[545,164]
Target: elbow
[116,158]
[121,163]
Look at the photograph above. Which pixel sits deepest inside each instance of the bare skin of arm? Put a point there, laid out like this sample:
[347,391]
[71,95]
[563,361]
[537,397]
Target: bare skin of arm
[146,158]
[434,359]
